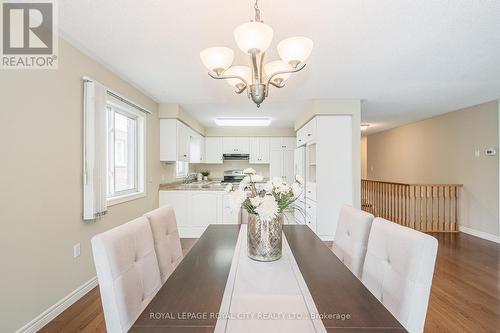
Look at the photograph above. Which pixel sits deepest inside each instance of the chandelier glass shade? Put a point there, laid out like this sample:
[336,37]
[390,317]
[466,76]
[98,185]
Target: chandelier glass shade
[254,38]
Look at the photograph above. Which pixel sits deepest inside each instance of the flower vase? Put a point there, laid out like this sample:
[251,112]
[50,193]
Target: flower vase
[264,238]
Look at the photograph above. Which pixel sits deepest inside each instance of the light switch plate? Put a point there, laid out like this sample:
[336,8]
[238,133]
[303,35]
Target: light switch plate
[76,250]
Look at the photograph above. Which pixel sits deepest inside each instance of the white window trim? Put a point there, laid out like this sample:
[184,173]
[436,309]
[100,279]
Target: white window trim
[141,173]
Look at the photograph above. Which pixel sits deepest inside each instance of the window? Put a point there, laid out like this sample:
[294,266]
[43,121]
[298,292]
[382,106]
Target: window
[125,152]
[181,169]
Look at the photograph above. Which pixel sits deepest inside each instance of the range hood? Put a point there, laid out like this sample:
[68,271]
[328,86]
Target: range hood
[236,157]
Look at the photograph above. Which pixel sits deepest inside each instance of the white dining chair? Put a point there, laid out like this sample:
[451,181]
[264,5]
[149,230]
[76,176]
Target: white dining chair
[127,271]
[351,237]
[398,270]
[166,239]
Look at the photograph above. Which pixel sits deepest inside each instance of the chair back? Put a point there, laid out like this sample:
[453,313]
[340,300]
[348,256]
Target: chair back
[127,271]
[166,239]
[351,237]
[398,270]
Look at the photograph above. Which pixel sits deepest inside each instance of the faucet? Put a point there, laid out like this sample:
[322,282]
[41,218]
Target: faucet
[189,178]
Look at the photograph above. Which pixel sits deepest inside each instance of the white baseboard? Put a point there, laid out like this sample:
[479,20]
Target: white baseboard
[480,234]
[48,315]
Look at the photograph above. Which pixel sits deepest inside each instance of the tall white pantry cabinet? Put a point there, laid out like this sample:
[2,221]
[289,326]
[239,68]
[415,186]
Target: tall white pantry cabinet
[328,170]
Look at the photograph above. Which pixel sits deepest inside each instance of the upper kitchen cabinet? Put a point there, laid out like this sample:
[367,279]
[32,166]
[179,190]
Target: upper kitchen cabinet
[282,143]
[196,147]
[259,150]
[236,145]
[175,140]
[307,133]
[213,150]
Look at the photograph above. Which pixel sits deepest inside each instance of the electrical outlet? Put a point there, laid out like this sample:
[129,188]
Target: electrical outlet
[76,250]
[163,178]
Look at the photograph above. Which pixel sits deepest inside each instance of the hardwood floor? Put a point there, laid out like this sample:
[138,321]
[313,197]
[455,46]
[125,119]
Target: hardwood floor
[465,294]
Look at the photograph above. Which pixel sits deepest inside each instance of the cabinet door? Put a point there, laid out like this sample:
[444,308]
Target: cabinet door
[301,137]
[243,145]
[264,148]
[254,150]
[213,150]
[183,141]
[179,202]
[288,143]
[168,140]
[276,164]
[194,147]
[311,215]
[229,215]
[276,143]
[288,166]
[229,145]
[203,209]
[202,149]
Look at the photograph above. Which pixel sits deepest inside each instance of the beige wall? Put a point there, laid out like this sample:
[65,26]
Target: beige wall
[442,150]
[41,180]
[364,156]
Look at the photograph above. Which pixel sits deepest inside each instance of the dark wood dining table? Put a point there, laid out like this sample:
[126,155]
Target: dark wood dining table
[190,299]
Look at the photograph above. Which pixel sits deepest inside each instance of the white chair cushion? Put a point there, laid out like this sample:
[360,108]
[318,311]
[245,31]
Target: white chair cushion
[351,237]
[166,239]
[127,271]
[398,270]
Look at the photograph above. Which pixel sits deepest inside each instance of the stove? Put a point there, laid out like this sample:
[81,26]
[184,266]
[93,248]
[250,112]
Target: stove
[233,176]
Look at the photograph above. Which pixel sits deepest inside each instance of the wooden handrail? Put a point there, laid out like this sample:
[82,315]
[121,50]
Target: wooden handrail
[425,207]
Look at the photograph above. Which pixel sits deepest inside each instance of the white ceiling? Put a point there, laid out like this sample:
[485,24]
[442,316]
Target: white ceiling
[406,59]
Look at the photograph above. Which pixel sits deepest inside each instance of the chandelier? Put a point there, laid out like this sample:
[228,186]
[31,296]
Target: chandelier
[254,39]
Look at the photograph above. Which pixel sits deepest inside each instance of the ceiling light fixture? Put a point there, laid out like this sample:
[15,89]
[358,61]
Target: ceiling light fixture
[364,126]
[254,39]
[243,121]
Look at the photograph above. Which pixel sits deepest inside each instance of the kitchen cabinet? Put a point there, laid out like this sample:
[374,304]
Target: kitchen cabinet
[174,141]
[196,210]
[196,147]
[330,181]
[259,150]
[236,145]
[307,133]
[213,150]
[281,165]
[282,143]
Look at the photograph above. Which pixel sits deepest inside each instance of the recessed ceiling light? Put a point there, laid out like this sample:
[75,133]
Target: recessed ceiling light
[243,121]
[364,126]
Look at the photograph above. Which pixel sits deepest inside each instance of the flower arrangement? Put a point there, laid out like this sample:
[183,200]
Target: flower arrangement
[267,202]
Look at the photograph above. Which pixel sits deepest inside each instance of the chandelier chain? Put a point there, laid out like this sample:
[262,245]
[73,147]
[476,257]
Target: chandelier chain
[257,11]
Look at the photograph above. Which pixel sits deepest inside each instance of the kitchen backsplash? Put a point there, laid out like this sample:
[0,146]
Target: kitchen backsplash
[217,170]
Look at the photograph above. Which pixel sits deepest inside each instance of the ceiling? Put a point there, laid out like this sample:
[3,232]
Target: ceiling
[406,60]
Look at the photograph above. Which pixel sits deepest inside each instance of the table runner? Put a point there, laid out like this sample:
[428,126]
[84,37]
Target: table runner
[266,296]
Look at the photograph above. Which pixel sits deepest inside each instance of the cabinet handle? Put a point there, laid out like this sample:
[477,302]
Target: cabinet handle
[308,191]
[185,155]
[308,134]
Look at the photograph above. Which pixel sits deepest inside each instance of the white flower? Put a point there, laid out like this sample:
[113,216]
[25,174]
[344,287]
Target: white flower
[237,198]
[229,188]
[249,171]
[299,179]
[244,183]
[256,201]
[257,178]
[268,187]
[268,208]
[277,181]
[296,189]
[283,189]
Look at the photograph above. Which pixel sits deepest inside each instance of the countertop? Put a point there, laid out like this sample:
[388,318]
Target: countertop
[196,186]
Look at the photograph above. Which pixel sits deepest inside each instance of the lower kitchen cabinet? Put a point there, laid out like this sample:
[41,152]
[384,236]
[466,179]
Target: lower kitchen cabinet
[195,210]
